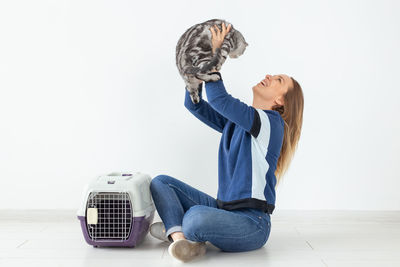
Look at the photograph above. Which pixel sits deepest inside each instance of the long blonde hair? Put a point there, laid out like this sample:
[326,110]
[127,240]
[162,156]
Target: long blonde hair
[292,114]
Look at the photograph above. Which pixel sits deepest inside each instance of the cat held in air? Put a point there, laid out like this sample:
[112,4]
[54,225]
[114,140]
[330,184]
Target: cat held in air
[195,58]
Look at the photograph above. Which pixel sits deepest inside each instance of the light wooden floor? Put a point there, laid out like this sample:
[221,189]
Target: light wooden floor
[298,238]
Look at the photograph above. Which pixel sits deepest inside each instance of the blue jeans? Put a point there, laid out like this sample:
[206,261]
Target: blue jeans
[188,210]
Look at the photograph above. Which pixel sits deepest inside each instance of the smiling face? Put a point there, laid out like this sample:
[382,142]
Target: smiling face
[271,90]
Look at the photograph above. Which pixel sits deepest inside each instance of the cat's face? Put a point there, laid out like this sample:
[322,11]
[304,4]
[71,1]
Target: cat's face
[239,51]
[239,45]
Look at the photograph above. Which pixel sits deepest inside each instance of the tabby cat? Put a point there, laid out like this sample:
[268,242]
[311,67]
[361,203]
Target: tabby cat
[194,56]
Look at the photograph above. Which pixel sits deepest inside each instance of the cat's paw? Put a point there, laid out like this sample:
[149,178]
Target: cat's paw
[209,77]
[213,77]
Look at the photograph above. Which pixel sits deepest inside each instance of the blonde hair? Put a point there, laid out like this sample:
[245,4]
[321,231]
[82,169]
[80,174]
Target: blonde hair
[292,114]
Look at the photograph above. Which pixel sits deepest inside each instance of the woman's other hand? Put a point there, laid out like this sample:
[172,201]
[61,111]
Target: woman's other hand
[217,37]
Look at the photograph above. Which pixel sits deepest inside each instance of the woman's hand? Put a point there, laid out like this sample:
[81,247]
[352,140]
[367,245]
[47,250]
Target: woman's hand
[217,36]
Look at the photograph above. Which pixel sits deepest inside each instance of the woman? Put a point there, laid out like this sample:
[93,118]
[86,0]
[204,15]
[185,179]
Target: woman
[256,147]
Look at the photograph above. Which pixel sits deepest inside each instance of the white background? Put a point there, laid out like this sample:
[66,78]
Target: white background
[91,87]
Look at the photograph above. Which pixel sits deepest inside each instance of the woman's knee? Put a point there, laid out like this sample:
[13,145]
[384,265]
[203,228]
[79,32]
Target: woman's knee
[162,178]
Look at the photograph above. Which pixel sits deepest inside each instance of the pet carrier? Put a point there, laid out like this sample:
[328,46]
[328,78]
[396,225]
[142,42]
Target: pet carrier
[117,209]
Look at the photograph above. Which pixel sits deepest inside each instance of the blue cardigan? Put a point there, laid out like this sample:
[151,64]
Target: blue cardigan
[249,148]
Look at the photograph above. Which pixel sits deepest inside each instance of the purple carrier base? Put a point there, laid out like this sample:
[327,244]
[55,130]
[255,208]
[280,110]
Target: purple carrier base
[140,228]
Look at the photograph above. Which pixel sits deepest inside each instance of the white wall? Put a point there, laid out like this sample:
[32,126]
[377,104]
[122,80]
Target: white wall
[91,87]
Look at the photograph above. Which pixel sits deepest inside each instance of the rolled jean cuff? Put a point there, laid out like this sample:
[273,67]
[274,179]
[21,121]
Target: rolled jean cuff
[177,228]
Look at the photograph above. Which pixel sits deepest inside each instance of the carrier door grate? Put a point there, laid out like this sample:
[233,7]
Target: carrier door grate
[114,216]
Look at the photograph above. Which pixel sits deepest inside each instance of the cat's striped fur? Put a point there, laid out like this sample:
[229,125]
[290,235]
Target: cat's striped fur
[194,57]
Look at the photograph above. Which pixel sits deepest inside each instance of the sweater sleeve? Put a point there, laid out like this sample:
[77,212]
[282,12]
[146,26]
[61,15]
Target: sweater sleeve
[232,108]
[204,112]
